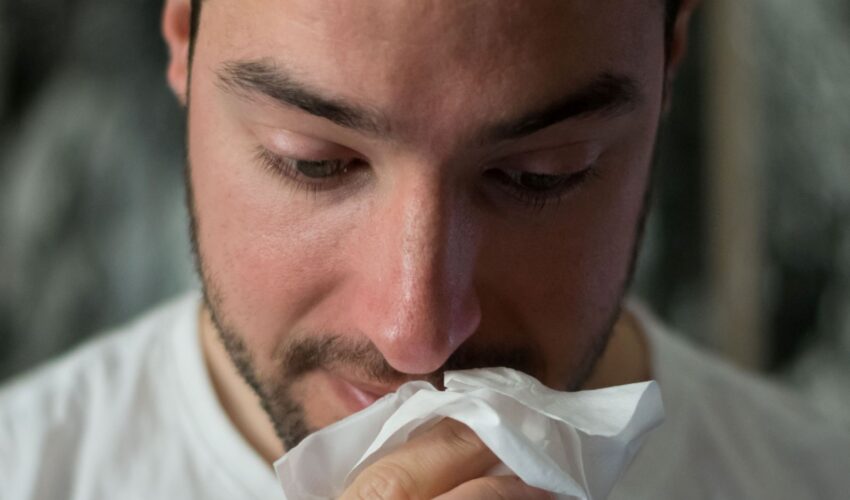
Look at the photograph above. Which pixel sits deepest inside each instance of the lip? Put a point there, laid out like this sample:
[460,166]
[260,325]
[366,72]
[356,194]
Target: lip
[356,395]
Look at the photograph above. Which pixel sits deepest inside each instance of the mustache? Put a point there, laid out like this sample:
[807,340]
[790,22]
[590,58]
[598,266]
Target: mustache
[306,354]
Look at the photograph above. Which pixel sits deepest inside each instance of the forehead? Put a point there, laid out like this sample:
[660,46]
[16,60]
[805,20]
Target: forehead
[418,60]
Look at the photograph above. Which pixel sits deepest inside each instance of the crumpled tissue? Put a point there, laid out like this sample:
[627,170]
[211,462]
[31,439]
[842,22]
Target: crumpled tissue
[573,444]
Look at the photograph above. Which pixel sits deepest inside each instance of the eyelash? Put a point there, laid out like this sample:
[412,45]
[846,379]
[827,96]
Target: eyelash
[288,169]
[537,200]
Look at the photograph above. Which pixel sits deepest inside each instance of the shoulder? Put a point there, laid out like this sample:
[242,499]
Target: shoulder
[114,358]
[731,434]
[75,404]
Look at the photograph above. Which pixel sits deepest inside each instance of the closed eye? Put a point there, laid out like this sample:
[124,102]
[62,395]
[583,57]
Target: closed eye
[537,190]
[311,175]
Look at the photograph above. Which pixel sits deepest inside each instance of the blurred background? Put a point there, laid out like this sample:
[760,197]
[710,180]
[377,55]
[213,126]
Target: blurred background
[747,250]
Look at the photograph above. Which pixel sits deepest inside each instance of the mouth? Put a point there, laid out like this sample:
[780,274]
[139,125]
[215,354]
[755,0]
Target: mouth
[357,395]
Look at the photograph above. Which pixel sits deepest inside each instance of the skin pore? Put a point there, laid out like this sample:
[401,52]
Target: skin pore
[382,191]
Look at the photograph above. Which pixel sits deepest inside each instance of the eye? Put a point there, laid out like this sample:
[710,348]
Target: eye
[537,190]
[537,182]
[320,169]
[310,175]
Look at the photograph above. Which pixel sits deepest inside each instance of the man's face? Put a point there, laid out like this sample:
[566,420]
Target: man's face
[383,190]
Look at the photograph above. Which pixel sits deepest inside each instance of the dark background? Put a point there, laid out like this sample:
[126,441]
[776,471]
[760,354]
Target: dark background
[93,227]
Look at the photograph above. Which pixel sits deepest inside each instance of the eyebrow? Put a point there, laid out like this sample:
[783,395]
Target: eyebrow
[265,78]
[607,95]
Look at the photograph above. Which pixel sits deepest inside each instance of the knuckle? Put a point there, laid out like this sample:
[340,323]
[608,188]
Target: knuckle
[500,490]
[387,481]
[511,488]
[460,436]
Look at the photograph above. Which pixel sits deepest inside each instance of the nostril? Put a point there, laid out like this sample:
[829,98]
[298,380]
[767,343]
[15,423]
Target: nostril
[424,335]
[465,320]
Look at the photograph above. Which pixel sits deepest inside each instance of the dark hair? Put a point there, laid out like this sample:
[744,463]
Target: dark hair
[672,8]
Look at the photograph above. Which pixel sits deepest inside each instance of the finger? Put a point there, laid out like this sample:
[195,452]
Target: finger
[432,463]
[496,488]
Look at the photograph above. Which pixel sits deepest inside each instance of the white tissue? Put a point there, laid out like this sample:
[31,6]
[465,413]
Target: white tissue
[574,444]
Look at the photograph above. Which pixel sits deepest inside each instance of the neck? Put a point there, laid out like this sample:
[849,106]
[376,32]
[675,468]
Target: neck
[626,358]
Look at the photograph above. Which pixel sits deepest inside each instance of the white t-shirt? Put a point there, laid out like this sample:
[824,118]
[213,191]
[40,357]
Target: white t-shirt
[133,415]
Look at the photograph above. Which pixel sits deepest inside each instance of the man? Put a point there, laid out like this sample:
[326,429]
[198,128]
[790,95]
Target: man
[382,191]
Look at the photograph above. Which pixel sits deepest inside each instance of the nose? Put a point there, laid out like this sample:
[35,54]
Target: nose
[419,298]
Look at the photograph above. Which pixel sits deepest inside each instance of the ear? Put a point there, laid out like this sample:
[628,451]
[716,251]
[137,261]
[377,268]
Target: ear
[176,29]
[679,42]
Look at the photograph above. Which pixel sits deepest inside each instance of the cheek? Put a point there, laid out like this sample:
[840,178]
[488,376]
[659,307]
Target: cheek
[263,253]
[559,282]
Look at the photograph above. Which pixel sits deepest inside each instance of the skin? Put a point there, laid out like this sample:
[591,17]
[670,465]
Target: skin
[419,252]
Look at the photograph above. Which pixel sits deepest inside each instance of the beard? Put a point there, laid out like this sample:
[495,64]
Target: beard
[308,352]
[312,352]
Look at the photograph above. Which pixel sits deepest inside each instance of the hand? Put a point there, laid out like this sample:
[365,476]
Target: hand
[447,462]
